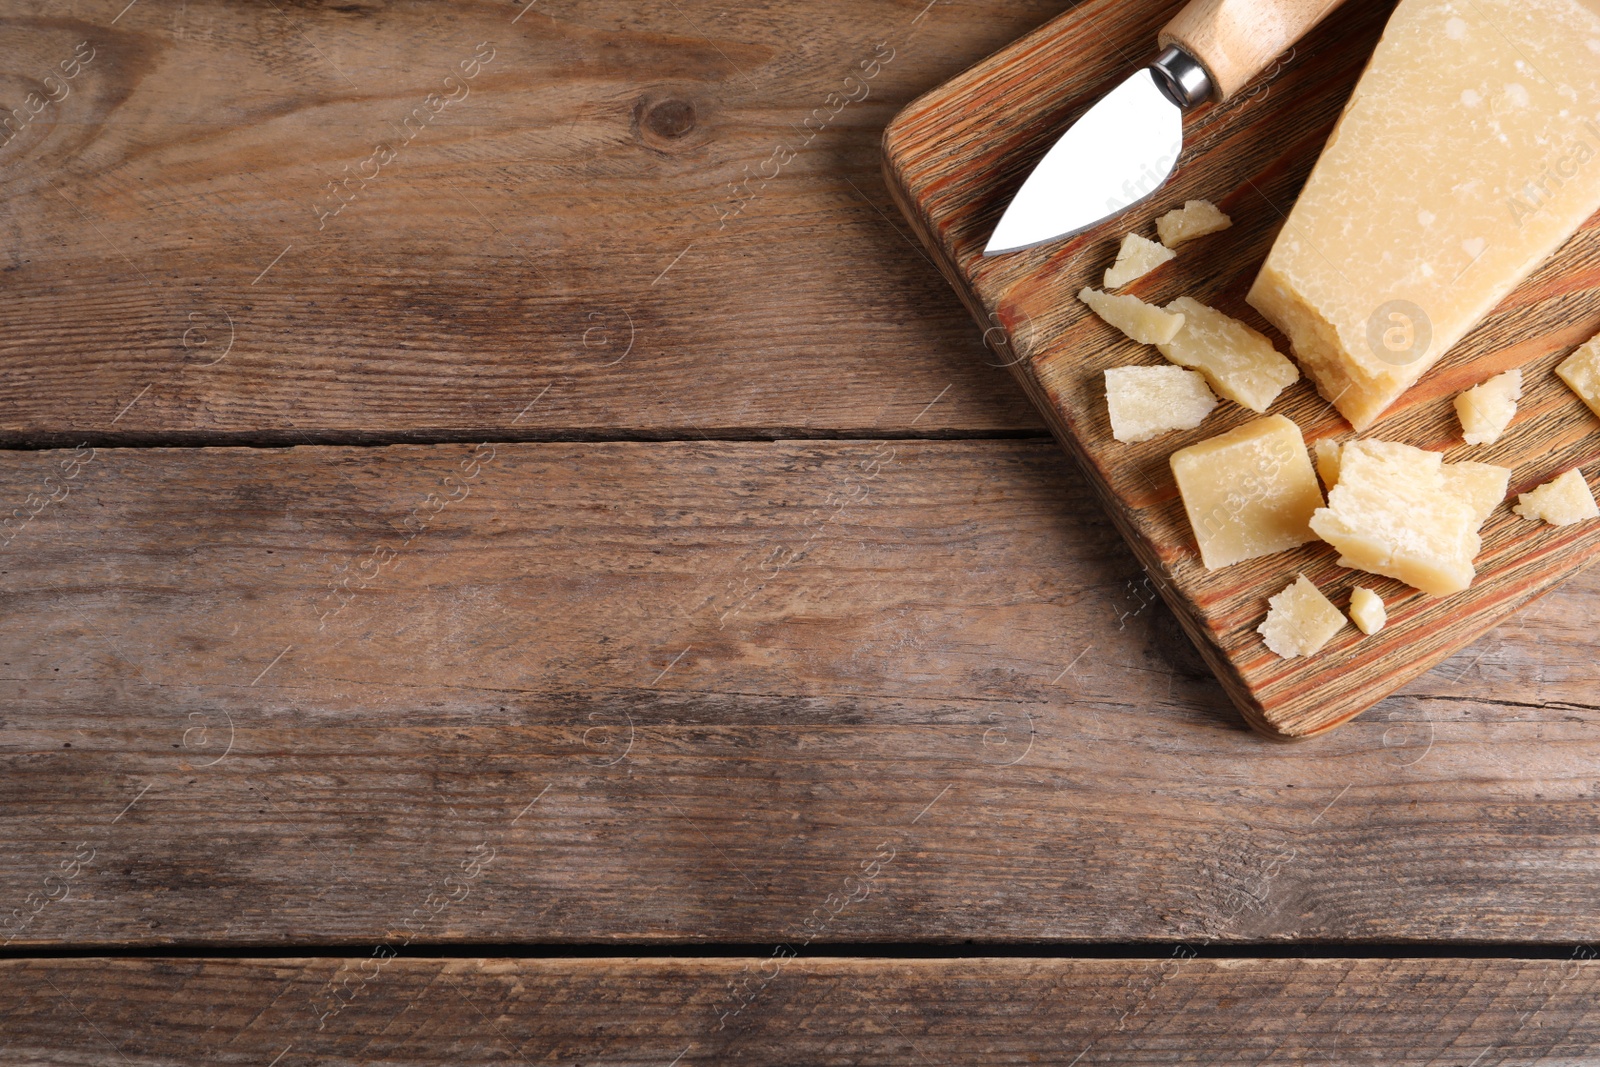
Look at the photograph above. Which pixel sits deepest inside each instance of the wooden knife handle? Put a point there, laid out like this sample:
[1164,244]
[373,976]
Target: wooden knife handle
[1234,40]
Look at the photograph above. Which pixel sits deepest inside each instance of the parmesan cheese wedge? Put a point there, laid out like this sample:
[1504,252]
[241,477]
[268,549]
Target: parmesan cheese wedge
[1393,511]
[1137,257]
[1367,610]
[1300,620]
[1487,409]
[1238,362]
[1560,502]
[1141,322]
[1195,218]
[1146,402]
[1467,154]
[1248,492]
[1581,372]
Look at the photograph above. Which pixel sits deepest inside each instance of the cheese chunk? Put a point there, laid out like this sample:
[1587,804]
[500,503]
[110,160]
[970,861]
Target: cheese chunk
[1366,610]
[1195,218]
[1137,257]
[1142,322]
[1394,512]
[1300,620]
[1146,402]
[1482,486]
[1560,502]
[1327,451]
[1240,363]
[1486,410]
[1468,153]
[1249,492]
[1581,372]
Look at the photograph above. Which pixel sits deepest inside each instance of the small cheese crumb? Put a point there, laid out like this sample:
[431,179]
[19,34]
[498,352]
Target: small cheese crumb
[1248,492]
[1146,402]
[1581,372]
[1141,322]
[1486,410]
[1393,511]
[1137,257]
[1560,502]
[1300,620]
[1240,363]
[1481,485]
[1367,611]
[1327,451]
[1195,219]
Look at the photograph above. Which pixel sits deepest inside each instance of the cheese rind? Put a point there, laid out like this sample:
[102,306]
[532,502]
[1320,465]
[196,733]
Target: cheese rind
[1561,501]
[1248,492]
[1300,620]
[1137,257]
[1487,409]
[1581,372]
[1195,218]
[1239,362]
[1367,610]
[1467,154]
[1393,511]
[1141,322]
[1146,402]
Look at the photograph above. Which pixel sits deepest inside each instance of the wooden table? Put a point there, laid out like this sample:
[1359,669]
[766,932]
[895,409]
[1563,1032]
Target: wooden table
[516,557]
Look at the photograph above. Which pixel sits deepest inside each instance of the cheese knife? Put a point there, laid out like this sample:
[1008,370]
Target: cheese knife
[1122,149]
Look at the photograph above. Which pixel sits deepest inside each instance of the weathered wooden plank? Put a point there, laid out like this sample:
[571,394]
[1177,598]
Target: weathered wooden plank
[955,157]
[281,223]
[652,1012]
[281,696]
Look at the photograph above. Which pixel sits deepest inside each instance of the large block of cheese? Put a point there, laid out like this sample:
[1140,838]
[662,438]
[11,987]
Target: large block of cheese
[1468,153]
[1395,511]
[1248,492]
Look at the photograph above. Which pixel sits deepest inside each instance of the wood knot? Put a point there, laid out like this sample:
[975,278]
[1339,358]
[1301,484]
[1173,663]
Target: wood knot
[665,123]
[670,119]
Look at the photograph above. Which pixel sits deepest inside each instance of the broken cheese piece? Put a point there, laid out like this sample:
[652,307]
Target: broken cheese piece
[1146,402]
[1560,502]
[1486,409]
[1581,372]
[1240,363]
[1248,492]
[1327,451]
[1367,610]
[1195,218]
[1466,155]
[1481,485]
[1141,322]
[1393,511]
[1300,620]
[1137,257]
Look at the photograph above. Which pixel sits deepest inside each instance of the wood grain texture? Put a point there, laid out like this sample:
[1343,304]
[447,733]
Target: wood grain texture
[687,692]
[654,1012]
[278,223]
[955,157]
[1235,40]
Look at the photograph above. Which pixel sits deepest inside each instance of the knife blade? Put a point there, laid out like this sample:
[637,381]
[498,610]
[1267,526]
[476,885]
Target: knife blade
[1123,149]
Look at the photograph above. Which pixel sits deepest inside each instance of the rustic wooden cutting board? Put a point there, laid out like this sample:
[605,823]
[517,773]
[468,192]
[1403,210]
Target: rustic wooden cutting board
[954,158]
